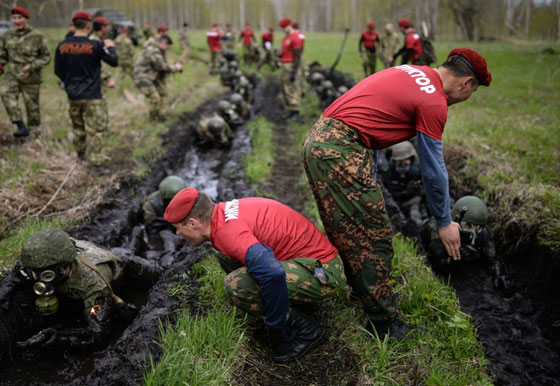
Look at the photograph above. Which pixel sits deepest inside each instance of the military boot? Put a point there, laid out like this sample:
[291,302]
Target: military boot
[396,328]
[22,130]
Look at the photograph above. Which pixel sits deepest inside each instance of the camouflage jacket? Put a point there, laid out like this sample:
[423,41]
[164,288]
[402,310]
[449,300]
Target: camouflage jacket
[153,208]
[184,38]
[390,44]
[125,50]
[148,33]
[84,283]
[150,42]
[105,72]
[151,67]
[20,48]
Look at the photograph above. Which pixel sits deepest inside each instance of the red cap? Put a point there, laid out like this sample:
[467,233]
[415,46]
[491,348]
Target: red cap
[20,11]
[180,206]
[82,15]
[475,62]
[162,28]
[405,23]
[371,26]
[214,24]
[295,24]
[101,20]
[227,25]
[285,22]
[271,29]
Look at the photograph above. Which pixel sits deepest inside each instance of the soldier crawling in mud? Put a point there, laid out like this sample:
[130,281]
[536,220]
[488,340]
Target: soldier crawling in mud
[244,87]
[213,130]
[64,273]
[240,106]
[156,202]
[477,242]
[227,111]
[402,188]
[25,51]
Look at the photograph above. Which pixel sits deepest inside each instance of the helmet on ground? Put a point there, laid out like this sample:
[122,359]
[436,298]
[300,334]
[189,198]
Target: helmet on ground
[243,82]
[170,186]
[238,73]
[224,106]
[233,64]
[402,151]
[216,125]
[477,212]
[236,99]
[47,247]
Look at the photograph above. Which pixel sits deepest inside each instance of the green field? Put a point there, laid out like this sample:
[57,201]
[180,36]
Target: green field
[510,132]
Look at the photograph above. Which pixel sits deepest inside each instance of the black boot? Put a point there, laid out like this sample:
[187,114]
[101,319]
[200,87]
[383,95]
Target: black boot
[294,339]
[22,130]
[395,328]
[307,330]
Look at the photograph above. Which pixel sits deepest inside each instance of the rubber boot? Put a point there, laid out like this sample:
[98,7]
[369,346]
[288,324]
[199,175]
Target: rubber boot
[294,339]
[283,350]
[307,330]
[22,130]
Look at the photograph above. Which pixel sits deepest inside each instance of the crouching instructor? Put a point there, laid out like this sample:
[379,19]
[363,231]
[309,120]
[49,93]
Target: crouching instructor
[386,108]
[283,259]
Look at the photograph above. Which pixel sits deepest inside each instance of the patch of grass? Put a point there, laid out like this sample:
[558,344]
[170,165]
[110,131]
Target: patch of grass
[201,350]
[260,160]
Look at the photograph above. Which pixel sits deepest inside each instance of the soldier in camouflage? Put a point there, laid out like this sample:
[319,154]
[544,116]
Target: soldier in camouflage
[277,258]
[148,31]
[213,129]
[185,41]
[101,29]
[149,75]
[25,51]
[62,267]
[125,52]
[241,106]
[229,38]
[156,202]
[290,57]
[227,111]
[390,45]
[152,40]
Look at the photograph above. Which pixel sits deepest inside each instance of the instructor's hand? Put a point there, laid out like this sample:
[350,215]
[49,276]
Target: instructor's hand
[451,239]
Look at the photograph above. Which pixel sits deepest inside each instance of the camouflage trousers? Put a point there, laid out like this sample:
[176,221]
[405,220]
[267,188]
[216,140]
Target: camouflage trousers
[185,50]
[11,89]
[247,53]
[303,286]
[156,97]
[368,62]
[215,57]
[340,171]
[267,58]
[290,90]
[89,122]
[123,70]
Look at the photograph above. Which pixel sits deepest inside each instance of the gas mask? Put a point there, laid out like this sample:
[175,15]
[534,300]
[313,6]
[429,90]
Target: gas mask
[472,231]
[44,287]
[402,168]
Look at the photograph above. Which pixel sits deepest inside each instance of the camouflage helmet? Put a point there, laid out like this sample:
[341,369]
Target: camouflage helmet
[243,82]
[234,64]
[224,106]
[342,89]
[317,77]
[477,212]
[236,99]
[238,73]
[170,186]
[47,247]
[216,125]
[402,151]
[327,84]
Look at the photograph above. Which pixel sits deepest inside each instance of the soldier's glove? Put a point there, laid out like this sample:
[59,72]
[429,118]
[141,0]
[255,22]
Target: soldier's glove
[43,338]
[1,69]
[293,76]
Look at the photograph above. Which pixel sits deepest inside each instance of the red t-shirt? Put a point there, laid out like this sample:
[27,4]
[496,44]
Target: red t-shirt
[369,38]
[239,224]
[267,37]
[413,41]
[289,44]
[214,36]
[247,34]
[391,105]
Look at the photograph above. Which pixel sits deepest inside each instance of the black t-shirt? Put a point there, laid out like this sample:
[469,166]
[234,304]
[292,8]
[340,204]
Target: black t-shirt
[77,63]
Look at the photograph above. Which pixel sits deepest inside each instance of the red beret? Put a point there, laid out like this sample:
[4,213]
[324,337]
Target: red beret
[101,20]
[83,15]
[180,206]
[295,24]
[371,26]
[285,22]
[214,24]
[405,23]
[271,29]
[475,62]
[162,28]
[20,11]
[227,25]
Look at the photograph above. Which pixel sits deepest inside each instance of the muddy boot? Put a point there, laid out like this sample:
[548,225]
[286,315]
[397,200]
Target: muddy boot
[22,130]
[395,328]
[307,330]
[294,339]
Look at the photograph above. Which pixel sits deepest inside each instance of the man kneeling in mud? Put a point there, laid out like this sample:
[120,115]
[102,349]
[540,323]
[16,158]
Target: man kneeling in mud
[81,274]
[276,257]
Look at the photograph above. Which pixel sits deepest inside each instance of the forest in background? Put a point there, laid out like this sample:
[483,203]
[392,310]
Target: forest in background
[447,19]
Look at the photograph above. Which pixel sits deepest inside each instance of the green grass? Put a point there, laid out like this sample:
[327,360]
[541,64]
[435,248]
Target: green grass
[205,349]
[260,160]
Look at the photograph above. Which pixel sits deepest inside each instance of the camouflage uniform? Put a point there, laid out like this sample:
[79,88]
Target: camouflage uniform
[229,43]
[303,286]
[105,77]
[204,133]
[153,208]
[185,41]
[390,45]
[148,33]
[340,171]
[125,52]
[21,48]
[89,122]
[291,90]
[149,74]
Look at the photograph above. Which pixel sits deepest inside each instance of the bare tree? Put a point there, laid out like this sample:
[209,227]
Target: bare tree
[465,13]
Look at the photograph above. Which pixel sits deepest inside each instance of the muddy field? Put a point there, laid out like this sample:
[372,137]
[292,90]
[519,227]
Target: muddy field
[516,325]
